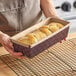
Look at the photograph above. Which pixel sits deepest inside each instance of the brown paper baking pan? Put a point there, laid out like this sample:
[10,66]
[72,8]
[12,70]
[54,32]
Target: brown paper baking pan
[35,49]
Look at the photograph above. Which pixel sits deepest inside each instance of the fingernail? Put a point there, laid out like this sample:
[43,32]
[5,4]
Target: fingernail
[65,39]
[19,54]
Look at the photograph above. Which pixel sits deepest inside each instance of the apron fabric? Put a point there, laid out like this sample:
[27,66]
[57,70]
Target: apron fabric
[18,15]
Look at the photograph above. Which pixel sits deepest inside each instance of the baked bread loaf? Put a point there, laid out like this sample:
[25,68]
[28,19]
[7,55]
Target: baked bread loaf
[32,38]
[40,33]
[28,39]
[54,26]
[45,29]
[58,24]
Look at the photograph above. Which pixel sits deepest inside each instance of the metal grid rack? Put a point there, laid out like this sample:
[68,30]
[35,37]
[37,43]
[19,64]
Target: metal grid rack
[43,65]
[59,60]
[66,52]
[16,65]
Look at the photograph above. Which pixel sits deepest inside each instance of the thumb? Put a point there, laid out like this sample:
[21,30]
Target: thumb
[9,44]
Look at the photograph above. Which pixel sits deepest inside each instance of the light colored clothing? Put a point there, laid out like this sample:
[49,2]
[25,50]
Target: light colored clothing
[20,14]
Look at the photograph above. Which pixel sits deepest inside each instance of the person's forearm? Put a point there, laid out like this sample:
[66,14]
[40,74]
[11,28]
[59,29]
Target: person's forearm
[48,8]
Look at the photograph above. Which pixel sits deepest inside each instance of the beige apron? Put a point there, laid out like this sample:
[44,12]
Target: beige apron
[17,15]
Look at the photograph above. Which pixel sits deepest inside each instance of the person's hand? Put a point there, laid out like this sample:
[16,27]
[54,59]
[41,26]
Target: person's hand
[62,40]
[7,44]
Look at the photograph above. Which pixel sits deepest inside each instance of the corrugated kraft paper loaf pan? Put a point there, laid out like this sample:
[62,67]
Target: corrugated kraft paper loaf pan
[45,43]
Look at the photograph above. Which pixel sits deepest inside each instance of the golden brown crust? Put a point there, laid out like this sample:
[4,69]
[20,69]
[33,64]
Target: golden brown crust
[45,29]
[41,33]
[60,25]
[54,28]
[57,24]
[28,39]
[53,23]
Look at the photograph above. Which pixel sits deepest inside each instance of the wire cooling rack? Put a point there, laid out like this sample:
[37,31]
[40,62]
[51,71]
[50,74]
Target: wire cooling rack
[16,65]
[59,60]
[66,52]
[43,65]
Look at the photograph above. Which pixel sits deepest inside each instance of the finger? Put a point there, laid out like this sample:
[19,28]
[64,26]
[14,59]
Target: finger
[12,52]
[20,57]
[60,41]
[10,44]
[17,54]
[65,39]
[9,50]
[8,47]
